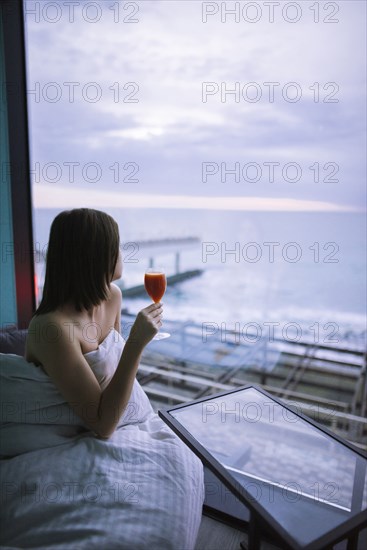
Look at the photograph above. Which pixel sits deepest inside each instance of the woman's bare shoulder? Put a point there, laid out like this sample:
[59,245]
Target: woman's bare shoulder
[48,322]
[116,303]
[115,292]
[53,327]
[40,323]
[115,299]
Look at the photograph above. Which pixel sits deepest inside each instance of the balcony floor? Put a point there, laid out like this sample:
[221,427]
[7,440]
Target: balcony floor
[215,535]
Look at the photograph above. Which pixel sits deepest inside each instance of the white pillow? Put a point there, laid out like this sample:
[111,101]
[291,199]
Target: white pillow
[34,414]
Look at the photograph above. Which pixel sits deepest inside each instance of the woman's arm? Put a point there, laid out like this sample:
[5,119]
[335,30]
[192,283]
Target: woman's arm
[64,362]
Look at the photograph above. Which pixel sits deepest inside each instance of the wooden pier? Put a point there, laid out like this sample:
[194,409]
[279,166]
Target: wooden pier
[154,248]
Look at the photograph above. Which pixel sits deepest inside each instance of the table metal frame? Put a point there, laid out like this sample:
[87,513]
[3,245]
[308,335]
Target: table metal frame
[260,517]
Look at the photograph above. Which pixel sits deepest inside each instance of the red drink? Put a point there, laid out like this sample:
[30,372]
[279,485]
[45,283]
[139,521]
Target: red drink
[155,285]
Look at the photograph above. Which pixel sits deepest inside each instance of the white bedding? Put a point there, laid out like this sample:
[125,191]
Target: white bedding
[142,488]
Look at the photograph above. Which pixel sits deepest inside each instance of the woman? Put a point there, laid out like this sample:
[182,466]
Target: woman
[141,488]
[79,312]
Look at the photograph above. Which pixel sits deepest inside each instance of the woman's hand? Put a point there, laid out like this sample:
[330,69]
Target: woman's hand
[147,324]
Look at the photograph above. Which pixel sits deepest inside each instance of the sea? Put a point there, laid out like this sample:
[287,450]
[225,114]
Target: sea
[297,273]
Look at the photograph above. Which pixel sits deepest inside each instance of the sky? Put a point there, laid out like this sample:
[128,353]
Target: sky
[130,104]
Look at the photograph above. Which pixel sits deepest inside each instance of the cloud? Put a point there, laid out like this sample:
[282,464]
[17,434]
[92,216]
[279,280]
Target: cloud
[169,53]
[55,197]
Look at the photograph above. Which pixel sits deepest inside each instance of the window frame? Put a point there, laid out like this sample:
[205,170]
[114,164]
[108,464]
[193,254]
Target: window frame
[15,91]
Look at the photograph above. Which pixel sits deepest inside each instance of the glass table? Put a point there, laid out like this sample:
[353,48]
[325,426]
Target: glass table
[299,482]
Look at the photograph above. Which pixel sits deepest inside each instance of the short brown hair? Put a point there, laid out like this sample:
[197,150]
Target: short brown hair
[82,254]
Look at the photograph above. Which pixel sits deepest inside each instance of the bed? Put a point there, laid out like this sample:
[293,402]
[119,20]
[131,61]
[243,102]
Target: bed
[64,488]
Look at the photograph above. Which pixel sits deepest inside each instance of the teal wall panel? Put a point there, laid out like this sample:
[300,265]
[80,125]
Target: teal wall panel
[8,308]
